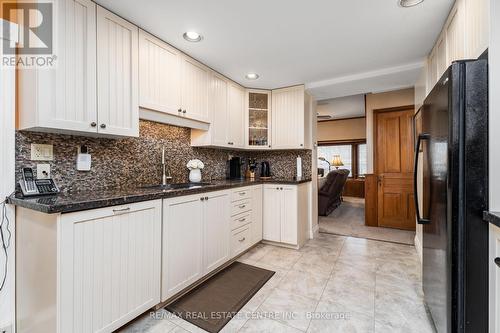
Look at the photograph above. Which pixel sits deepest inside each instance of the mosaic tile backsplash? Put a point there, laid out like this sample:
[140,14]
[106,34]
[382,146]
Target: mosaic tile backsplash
[121,163]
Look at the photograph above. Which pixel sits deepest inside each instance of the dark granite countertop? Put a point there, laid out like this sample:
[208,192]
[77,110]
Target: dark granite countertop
[492,217]
[67,202]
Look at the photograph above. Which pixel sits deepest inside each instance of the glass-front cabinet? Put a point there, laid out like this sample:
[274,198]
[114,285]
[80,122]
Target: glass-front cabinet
[258,119]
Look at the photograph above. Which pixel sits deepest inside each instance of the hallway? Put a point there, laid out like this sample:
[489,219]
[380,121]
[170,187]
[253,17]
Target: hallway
[349,220]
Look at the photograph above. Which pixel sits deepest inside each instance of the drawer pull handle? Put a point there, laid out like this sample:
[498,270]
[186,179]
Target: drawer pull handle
[242,206]
[242,239]
[243,193]
[497,261]
[242,219]
[115,211]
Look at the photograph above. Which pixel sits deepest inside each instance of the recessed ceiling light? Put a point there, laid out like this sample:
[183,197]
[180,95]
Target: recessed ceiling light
[252,76]
[192,36]
[409,3]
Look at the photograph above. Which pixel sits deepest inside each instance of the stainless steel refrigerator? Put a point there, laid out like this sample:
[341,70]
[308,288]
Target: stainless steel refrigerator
[454,146]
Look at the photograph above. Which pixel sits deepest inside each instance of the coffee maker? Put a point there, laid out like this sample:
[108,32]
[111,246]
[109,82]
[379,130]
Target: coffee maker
[234,168]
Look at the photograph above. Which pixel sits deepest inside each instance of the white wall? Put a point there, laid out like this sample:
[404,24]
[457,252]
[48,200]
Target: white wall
[7,146]
[494,109]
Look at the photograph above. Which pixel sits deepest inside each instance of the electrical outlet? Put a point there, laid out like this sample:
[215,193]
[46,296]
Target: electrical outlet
[42,172]
[41,152]
[6,329]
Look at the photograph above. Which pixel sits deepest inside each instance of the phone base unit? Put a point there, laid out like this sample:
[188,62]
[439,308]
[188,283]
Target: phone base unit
[33,187]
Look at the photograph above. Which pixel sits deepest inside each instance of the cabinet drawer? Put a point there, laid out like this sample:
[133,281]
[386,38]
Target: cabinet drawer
[240,240]
[239,221]
[241,207]
[241,194]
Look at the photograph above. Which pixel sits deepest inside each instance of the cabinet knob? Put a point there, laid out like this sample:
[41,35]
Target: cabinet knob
[277,188]
[179,110]
[183,111]
[302,145]
[103,125]
[93,124]
[206,198]
[497,261]
[269,146]
[202,199]
[242,239]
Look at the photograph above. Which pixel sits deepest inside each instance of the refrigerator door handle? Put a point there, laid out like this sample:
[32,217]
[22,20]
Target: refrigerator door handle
[422,136]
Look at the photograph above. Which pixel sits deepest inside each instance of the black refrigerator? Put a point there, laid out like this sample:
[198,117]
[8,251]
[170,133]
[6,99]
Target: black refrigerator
[454,149]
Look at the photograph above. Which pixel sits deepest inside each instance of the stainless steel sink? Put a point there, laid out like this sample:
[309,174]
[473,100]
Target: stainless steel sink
[177,186]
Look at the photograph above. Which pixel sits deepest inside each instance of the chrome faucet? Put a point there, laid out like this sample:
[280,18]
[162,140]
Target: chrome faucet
[166,177]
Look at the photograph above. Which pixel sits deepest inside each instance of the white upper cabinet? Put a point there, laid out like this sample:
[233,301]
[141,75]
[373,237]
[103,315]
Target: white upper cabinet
[117,75]
[477,25]
[218,109]
[159,75]
[194,89]
[63,99]
[288,118]
[465,35]
[258,119]
[236,110]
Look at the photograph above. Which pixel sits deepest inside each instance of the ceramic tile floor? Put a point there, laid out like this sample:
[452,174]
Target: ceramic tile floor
[333,284]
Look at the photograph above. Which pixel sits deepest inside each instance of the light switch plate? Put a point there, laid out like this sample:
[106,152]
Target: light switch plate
[40,174]
[41,152]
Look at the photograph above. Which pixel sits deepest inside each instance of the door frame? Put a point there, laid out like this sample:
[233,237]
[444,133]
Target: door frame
[376,112]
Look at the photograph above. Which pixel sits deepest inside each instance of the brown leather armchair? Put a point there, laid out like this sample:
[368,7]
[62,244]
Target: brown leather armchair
[330,194]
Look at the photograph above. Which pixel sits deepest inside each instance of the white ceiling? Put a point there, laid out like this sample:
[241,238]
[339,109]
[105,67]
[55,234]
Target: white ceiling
[342,107]
[323,43]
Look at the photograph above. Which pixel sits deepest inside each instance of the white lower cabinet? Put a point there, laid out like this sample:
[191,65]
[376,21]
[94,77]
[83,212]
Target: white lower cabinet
[195,239]
[494,279]
[256,214]
[285,214]
[90,271]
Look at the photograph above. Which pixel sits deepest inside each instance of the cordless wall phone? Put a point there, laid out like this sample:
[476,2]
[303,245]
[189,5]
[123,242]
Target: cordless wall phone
[31,186]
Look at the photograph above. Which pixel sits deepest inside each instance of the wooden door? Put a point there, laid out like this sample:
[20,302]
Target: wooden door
[216,219]
[394,168]
[236,109]
[159,75]
[194,89]
[109,266]
[117,74]
[288,118]
[272,213]
[289,214]
[182,236]
[219,111]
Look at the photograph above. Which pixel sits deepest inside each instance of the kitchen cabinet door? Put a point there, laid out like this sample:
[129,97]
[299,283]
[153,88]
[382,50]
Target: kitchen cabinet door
[257,211]
[477,27]
[159,75]
[117,75]
[216,214]
[455,33]
[182,244]
[194,89]
[219,111]
[236,110]
[494,279]
[109,266]
[272,207]
[289,210]
[288,121]
[441,56]
[64,98]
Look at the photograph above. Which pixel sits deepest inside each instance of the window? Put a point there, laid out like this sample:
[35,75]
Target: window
[352,154]
[362,160]
[345,152]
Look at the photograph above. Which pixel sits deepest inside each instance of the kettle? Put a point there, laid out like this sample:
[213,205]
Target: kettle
[265,170]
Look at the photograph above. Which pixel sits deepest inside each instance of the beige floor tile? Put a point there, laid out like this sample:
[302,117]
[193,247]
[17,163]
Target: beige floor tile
[281,257]
[289,308]
[333,317]
[350,297]
[266,326]
[302,283]
[316,264]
